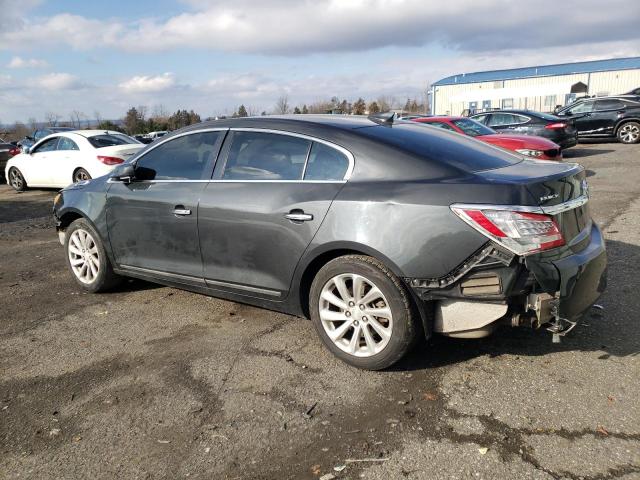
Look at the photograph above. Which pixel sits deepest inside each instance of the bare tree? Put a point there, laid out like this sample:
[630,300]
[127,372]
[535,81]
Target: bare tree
[252,110]
[282,105]
[142,112]
[76,119]
[33,124]
[52,118]
[159,111]
[97,117]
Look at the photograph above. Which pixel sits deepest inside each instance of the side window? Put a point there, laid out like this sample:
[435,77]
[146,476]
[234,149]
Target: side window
[481,118]
[266,156]
[47,146]
[520,119]
[584,107]
[67,144]
[181,158]
[498,119]
[608,105]
[326,163]
[40,134]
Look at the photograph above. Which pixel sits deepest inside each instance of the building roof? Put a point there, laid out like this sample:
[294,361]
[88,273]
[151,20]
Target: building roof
[543,71]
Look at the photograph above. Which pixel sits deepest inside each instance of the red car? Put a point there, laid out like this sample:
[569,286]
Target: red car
[527,145]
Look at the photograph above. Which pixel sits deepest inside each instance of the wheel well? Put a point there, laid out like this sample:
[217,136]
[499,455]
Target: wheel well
[627,120]
[69,217]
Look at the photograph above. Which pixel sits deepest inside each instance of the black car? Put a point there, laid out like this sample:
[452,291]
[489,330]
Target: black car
[28,141]
[380,231]
[6,149]
[605,117]
[527,122]
[635,92]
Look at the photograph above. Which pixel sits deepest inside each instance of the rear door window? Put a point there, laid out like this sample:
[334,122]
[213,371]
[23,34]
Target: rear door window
[188,157]
[67,144]
[498,119]
[326,163]
[266,156]
[602,105]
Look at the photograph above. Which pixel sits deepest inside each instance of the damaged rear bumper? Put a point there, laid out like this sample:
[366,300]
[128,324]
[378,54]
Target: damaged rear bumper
[533,291]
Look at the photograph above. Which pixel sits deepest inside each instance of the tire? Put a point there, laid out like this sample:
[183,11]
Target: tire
[629,133]
[396,319]
[86,258]
[80,174]
[16,180]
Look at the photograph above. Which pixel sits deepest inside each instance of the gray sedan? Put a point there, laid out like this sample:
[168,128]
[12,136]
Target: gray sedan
[380,231]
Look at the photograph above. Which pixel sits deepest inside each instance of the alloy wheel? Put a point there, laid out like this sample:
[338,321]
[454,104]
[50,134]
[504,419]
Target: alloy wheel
[15,178]
[629,133]
[355,315]
[84,257]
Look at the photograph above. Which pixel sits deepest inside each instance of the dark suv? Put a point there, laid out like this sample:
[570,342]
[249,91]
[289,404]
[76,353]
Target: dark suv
[606,117]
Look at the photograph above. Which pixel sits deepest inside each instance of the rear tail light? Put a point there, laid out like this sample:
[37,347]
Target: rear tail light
[14,151]
[555,126]
[521,232]
[110,160]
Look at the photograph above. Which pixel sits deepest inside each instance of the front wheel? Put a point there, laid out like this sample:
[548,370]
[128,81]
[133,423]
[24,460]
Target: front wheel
[362,312]
[87,258]
[629,133]
[16,180]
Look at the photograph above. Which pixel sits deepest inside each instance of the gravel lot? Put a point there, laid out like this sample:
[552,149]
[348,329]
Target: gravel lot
[153,382]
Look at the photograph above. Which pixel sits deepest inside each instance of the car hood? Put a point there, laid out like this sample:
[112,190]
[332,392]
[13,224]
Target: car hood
[513,142]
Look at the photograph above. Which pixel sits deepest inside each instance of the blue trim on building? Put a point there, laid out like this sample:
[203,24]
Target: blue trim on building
[543,71]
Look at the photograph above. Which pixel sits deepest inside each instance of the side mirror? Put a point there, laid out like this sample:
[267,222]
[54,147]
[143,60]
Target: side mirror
[124,173]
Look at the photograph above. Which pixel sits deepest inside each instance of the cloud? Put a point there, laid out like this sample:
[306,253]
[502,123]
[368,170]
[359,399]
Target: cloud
[56,81]
[291,27]
[19,62]
[149,84]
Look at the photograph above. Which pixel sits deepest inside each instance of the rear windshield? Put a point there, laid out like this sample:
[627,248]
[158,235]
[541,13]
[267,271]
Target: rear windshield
[473,128]
[111,139]
[442,146]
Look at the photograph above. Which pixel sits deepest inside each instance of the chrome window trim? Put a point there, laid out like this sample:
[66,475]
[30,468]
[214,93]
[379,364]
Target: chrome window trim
[341,149]
[548,210]
[311,138]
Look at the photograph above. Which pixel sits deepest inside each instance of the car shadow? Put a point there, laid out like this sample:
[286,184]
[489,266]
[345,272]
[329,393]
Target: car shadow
[577,152]
[613,332]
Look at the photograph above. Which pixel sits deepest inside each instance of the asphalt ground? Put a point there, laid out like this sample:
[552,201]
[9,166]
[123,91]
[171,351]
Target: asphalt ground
[152,382]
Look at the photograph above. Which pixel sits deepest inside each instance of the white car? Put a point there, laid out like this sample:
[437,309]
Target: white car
[68,157]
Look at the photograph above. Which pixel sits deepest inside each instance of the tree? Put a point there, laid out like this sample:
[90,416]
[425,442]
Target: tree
[182,118]
[33,124]
[297,111]
[76,119]
[282,105]
[108,125]
[305,110]
[359,107]
[133,122]
[373,107]
[52,118]
[242,111]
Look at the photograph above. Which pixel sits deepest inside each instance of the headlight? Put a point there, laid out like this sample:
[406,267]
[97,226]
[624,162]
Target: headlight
[530,153]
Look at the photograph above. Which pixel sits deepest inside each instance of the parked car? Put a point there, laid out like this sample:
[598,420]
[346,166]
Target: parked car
[155,135]
[527,145]
[380,231]
[635,92]
[527,122]
[28,141]
[7,150]
[64,158]
[605,117]
[142,138]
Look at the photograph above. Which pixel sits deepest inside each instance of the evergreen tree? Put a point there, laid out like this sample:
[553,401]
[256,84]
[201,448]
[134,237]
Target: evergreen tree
[359,107]
[297,111]
[305,110]
[242,111]
[373,107]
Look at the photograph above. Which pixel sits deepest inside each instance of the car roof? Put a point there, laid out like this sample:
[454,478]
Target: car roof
[447,118]
[93,133]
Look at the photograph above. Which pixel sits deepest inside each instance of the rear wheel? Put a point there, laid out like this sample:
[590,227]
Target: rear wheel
[362,312]
[80,174]
[629,132]
[87,258]
[16,180]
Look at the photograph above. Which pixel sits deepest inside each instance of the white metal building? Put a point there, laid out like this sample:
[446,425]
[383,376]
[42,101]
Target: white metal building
[534,88]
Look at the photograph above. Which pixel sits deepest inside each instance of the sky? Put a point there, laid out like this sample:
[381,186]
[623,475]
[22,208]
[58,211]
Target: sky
[101,58]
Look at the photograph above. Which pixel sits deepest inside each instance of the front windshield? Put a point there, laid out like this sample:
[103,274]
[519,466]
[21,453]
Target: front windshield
[472,128]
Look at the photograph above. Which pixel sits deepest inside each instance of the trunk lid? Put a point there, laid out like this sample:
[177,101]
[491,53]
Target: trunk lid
[551,186]
[121,151]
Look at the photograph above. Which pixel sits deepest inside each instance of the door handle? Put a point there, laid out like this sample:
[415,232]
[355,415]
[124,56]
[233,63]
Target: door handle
[298,216]
[180,210]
